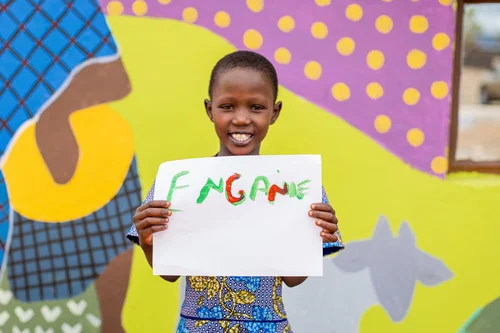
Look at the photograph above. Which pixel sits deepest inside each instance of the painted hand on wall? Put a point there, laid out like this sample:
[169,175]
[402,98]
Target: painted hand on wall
[92,85]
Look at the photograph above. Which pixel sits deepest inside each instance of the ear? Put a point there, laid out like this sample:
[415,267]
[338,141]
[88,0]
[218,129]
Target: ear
[208,109]
[276,112]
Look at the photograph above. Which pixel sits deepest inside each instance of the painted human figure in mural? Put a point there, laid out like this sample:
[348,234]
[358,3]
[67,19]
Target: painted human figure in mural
[69,181]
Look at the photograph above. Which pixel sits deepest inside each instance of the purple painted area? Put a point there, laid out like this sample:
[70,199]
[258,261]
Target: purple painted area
[430,115]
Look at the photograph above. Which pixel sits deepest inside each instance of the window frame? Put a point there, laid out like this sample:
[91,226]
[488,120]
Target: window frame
[453,164]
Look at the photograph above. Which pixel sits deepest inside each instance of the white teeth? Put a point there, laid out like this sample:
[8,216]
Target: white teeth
[240,137]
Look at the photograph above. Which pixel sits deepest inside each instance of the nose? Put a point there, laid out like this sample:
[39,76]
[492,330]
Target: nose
[241,117]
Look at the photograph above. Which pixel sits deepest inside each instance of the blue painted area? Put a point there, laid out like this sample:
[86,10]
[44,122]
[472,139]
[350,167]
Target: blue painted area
[40,47]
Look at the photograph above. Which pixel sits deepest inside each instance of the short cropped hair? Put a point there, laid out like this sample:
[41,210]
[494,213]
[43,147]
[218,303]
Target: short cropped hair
[246,60]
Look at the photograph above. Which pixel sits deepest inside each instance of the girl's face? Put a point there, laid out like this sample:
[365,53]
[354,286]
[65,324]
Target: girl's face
[242,108]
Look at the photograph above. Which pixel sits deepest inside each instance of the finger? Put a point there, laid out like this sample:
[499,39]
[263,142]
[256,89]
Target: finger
[152,212]
[329,238]
[327,226]
[323,207]
[147,234]
[153,204]
[151,230]
[325,216]
[151,221]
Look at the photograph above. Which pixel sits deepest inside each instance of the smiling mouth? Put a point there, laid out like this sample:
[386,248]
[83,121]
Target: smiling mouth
[241,138]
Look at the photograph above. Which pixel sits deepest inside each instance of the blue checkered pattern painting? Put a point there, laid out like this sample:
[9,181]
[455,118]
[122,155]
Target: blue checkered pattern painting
[59,260]
[41,42]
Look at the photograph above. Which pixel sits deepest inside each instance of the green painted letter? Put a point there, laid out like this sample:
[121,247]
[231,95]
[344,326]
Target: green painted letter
[292,189]
[173,185]
[255,186]
[206,189]
[301,188]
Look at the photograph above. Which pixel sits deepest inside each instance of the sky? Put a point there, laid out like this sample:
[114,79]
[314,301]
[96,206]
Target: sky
[488,17]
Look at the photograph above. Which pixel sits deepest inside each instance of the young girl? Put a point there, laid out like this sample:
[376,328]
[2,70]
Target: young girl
[243,91]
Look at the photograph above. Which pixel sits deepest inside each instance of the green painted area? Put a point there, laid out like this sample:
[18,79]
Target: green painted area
[77,314]
[485,320]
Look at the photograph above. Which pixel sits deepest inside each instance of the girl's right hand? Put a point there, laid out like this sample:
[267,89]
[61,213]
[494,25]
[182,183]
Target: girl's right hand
[149,218]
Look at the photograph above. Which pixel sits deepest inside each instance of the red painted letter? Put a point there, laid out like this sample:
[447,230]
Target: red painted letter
[276,189]
[232,199]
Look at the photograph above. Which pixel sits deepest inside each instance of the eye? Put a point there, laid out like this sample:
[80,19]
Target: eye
[226,107]
[257,107]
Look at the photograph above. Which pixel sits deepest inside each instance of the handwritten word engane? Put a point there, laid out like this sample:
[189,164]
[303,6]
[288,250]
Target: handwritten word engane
[260,184]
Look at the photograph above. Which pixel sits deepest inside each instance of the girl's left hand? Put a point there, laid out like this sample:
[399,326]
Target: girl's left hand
[326,219]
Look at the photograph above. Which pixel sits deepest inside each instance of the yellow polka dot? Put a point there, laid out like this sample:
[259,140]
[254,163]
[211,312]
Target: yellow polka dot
[374,90]
[454,6]
[354,12]
[282,56]
[439,89]
[323,3]
[164,2]
[411,96]
[383,123]
[416,59]
[345,46]
[445,2]
[319,30]
[384,24]
[440,41]
[418,24]
[375,59]
[255,5]
[139,7]
[386,0]
[222,19]
[341,92]
[312,70]
[439,164]
[286,23]
[252,39]
[415,137]
[190,15]
[114,8]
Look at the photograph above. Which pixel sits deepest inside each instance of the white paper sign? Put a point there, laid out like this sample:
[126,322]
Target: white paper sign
[240,216]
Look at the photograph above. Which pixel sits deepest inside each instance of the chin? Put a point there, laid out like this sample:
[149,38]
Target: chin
[241,150]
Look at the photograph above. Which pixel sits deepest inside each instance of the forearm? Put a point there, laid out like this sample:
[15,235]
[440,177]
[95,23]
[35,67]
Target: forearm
[293,281]
[148,252]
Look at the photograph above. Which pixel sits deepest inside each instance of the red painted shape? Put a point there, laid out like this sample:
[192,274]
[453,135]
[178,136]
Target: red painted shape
[229,183]
[276,189]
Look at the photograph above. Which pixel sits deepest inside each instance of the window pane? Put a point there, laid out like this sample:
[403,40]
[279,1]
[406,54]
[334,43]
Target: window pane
[479,109]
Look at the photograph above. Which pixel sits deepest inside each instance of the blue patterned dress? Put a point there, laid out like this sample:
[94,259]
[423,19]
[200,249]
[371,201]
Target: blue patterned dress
[236,304]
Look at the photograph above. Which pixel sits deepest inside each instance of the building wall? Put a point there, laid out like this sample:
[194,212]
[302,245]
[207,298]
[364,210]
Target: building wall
[91,110]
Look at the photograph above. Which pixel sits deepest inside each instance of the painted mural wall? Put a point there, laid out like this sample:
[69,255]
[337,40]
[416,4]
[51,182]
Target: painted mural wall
[94,96]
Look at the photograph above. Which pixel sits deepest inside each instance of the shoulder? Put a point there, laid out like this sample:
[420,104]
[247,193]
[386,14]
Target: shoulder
[324,197]
[151,193]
